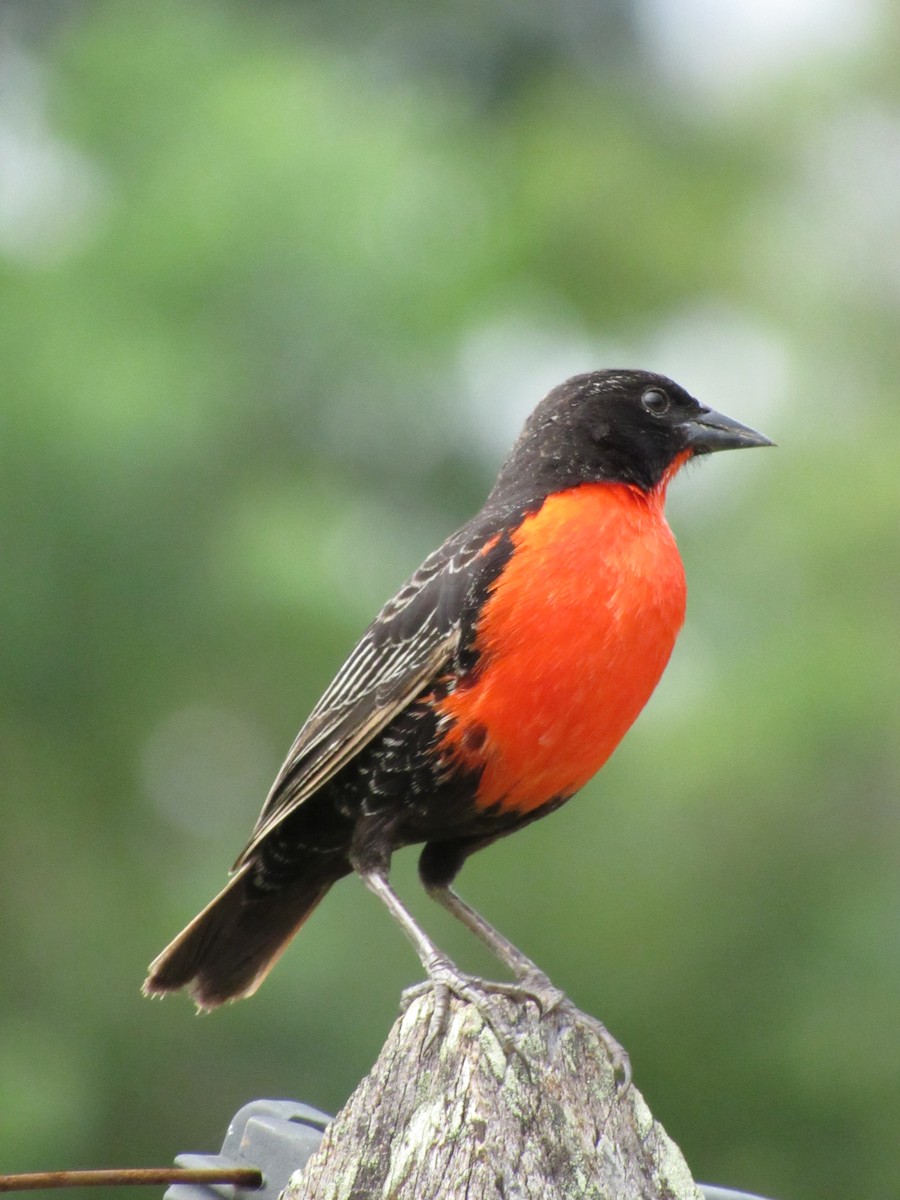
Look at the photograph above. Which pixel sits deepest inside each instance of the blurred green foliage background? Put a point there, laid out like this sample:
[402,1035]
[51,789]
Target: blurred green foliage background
[279,283]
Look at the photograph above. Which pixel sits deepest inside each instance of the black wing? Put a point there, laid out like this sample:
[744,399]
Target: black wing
[415,636]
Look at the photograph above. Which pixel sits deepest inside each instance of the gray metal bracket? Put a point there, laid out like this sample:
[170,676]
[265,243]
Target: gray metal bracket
[278,1137]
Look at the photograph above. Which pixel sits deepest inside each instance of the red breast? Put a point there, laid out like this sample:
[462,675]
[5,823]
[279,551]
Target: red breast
[572,641]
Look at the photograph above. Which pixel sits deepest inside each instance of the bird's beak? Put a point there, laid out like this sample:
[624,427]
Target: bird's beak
[711,431]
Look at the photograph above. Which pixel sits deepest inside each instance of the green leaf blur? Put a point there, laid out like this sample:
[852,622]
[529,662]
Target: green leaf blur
[279,283]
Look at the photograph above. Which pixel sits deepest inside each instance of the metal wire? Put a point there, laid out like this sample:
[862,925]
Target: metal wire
[245,1177]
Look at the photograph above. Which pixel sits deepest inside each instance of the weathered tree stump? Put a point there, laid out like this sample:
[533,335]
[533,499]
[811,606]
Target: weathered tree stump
[462,1118]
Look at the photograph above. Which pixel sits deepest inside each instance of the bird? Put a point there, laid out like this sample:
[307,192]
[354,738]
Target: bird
[489,690]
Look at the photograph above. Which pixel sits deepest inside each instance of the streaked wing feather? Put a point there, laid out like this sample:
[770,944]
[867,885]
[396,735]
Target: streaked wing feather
[414,637]
[305,771]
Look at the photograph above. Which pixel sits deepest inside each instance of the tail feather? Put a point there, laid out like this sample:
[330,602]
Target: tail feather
[230,947]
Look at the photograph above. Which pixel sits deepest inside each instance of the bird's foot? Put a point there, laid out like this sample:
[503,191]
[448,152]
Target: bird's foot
[534,985]
[618,1055]
[447,980]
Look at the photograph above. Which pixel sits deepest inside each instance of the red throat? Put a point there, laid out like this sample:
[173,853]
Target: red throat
[572,641]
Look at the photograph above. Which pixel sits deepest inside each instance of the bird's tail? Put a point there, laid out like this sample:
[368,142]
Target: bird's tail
[229,948]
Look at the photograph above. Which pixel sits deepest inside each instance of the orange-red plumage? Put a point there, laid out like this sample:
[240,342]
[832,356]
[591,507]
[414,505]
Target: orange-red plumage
[572,641]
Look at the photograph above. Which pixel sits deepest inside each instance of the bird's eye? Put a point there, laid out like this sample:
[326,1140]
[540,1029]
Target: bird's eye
[655,402]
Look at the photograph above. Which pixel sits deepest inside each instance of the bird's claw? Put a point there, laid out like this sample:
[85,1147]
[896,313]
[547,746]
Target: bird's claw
[535,987]
[446,980]
[618,1055]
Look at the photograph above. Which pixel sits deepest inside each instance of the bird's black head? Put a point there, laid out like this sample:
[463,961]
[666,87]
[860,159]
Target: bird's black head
[621,426]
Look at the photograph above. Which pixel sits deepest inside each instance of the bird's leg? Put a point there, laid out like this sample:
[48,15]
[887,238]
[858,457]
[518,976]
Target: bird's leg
[444,975]
[534,984]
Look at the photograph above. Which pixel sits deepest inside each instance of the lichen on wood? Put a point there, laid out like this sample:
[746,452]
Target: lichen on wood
[466,1117]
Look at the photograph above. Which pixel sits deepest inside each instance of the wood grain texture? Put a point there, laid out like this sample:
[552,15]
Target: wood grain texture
[462,1119]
